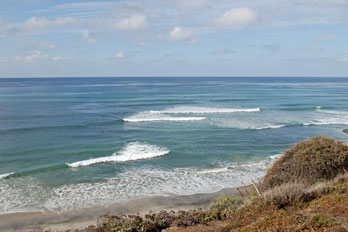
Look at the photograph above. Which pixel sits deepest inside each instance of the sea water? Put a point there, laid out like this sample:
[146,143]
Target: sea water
[73,143]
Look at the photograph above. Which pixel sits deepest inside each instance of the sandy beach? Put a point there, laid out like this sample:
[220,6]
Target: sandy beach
[29,221]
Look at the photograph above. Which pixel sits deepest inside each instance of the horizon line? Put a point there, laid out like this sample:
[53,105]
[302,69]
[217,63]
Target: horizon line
[158,76]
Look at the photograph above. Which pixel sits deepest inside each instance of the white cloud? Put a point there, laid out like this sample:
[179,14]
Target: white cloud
[32,57]
[35,56]
[120,55]
[237,17]
[132,23]
[181,34]
[344,59]
[35,24]
[45,46]
[89,36]
[59,58]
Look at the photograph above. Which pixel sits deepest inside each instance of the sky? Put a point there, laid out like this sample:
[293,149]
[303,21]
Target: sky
[80,38]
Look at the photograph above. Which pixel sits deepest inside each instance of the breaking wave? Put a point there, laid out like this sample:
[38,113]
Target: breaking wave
[269,127]
[201,110]
[329,117]
[163,118]
[132,151]
[27,194]
[167,114]
[3,176]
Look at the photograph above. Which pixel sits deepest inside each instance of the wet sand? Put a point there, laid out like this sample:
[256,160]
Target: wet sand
[82,218]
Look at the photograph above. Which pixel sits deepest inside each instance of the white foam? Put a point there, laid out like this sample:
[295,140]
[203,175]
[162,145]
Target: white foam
[27,194]
[263,164]
[167,114]
[337,112]
[2,176]
[275,157]
[327,122]
[170,119]
[328,117]
[250,123]
[132,151]
[140,182]
[148,116]
[201,110]
[214,170]
[270,127]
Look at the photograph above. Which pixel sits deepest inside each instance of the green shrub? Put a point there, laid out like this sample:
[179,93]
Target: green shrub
[310,161]
[224,207]
[154,222]
[322,221]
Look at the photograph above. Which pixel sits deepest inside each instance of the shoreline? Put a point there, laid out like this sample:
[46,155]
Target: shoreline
[82,218]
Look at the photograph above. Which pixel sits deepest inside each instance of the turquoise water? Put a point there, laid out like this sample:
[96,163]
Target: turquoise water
[74,143]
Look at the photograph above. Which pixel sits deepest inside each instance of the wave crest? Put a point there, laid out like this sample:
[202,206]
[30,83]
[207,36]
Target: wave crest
[3,176]
[201,110]
[162,118]
[166,114]
[329,117]
[132,151]
[270,127]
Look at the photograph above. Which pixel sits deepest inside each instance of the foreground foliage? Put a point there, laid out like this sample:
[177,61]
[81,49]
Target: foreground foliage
[220,210]
[316,159]
[323,207]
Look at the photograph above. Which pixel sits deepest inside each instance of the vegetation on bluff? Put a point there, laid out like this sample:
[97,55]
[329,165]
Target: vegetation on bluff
[316,159]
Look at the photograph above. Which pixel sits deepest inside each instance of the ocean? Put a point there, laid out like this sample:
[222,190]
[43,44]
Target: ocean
[72,143]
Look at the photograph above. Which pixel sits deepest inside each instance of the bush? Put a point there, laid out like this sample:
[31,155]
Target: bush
[224,207]
[153,222]
[322,221]
[310,161]
[288,194]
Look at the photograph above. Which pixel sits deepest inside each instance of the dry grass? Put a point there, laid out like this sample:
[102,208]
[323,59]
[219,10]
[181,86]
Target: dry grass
[287,194]
[284,209]
[299,192]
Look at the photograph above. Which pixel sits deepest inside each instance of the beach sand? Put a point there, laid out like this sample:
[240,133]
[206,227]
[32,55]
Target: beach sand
[78,219]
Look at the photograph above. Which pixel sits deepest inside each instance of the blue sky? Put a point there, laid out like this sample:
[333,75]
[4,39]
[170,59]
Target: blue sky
[65,38]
